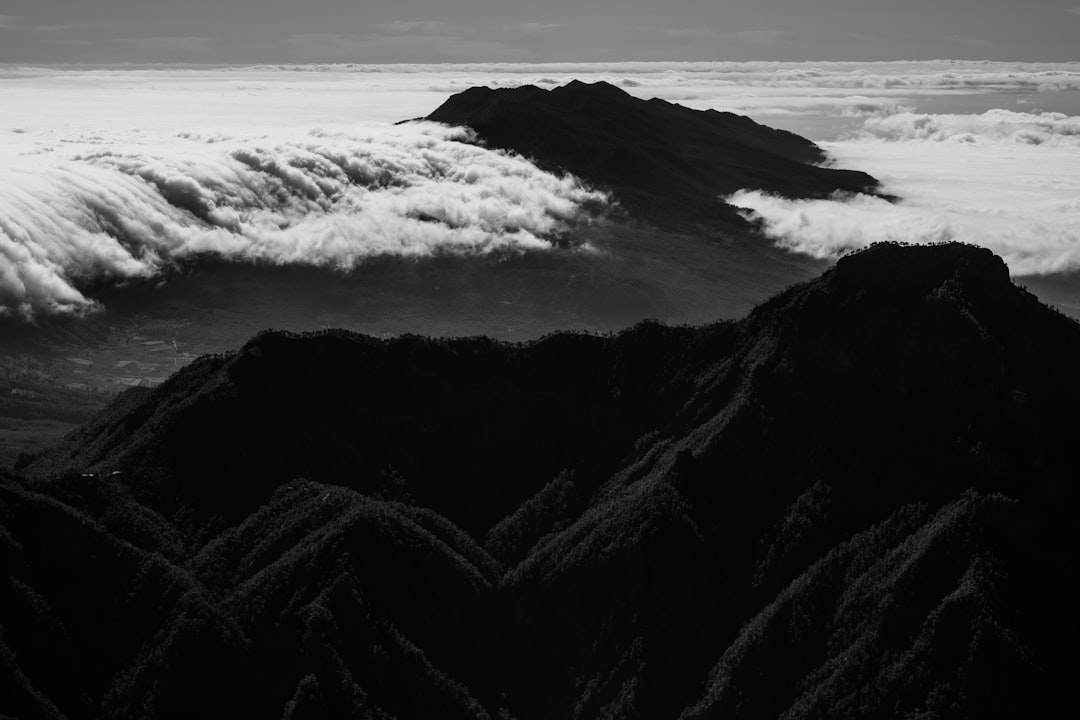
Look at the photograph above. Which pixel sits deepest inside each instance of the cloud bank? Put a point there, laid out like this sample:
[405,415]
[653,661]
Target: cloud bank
[1005,180]
[127,205]
[1056,129]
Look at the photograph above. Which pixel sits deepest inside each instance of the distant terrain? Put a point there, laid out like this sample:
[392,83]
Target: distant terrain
[855,502]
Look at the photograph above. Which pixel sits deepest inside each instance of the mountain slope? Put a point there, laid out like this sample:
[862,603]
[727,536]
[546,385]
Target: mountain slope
[666,163]
[448,421]
[855,502]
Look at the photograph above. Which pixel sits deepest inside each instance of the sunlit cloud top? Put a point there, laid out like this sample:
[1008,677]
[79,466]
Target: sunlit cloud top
[127,204]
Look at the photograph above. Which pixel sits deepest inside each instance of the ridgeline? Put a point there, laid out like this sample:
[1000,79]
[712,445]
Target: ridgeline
[665,163]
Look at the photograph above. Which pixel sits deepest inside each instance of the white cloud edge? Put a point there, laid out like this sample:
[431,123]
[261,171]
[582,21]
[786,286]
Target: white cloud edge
[81,211]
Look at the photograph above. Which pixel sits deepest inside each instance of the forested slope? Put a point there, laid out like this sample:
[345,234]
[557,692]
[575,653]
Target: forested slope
[855,502]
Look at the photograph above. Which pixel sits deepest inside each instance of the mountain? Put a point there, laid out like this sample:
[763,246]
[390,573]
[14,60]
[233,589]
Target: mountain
[605,269]
[666,163]
[856,502]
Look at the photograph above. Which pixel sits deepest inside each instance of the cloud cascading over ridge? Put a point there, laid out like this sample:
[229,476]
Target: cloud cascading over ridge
[126,205]
[1005,180]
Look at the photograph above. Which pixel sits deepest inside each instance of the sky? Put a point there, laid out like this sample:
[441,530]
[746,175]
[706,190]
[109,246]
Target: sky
[424,31]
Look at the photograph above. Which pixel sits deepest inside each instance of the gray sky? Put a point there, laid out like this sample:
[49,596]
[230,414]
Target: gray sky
[375,31]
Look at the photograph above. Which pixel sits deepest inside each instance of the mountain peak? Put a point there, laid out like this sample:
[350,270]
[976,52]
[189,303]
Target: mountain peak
[889,265]
[920,292]
[665,163]
[601,88]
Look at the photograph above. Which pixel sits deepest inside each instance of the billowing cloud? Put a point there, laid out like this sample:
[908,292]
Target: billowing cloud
[127,205]
[873,108]
[992,125]
[1005,180]
[827,229]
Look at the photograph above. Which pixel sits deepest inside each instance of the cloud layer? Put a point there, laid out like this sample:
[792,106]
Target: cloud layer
[349,92]
[1005,180]
[118,172]
[126,205]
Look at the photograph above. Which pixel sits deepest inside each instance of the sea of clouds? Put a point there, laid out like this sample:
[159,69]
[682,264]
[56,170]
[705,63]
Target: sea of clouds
[119,173]
[123,204]
[1006,180]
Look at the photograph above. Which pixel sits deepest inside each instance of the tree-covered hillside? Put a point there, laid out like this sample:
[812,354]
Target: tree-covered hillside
[854,503]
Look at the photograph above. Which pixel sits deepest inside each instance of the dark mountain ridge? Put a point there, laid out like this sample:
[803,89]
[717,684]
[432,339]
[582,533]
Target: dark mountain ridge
[667,164]
[854,503]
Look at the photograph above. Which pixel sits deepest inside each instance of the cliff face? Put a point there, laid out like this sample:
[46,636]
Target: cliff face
[855,502]
[665,163]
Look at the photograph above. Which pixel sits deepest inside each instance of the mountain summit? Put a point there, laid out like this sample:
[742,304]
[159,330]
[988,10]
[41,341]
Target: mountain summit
[666,163]
[854,503]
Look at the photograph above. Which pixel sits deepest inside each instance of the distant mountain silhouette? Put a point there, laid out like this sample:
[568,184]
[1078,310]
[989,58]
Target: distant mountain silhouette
[857,502]
[666,163]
